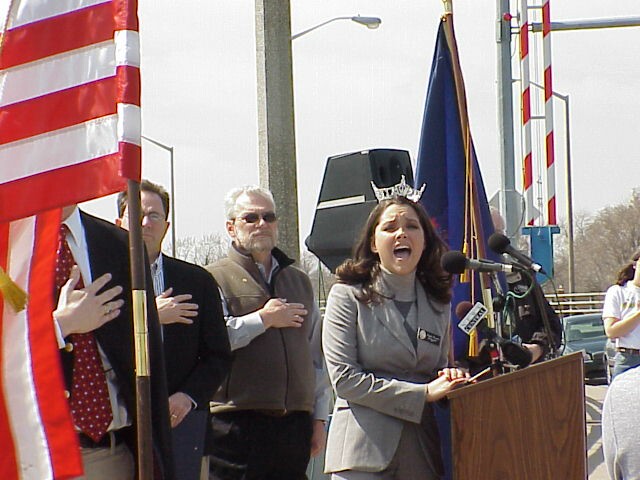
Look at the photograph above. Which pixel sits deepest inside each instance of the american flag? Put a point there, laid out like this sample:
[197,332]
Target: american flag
[69,132]
[69,103]
[36,431]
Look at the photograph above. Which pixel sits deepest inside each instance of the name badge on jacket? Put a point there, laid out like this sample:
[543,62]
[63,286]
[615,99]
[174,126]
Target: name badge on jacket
[428,336]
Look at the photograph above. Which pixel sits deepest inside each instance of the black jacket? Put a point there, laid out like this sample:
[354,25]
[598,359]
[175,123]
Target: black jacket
[108,251]
[197,355]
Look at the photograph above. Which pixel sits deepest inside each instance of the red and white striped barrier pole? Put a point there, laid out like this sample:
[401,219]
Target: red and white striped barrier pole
[527,164]
[548,113]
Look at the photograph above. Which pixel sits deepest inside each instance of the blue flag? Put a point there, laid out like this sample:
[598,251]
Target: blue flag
[455,197]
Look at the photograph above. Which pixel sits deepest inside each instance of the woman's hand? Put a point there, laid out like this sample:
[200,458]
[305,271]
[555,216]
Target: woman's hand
[448,379]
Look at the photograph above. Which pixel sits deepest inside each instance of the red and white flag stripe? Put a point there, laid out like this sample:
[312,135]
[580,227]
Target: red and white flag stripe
[36,431]
[69,103]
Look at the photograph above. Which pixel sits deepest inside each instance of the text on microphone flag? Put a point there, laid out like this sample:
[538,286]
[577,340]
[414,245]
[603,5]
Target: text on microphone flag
[472,318]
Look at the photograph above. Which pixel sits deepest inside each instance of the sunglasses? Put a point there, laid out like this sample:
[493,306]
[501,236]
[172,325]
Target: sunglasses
[268,217]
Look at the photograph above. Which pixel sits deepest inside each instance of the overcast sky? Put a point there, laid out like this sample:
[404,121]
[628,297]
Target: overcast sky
[358,89]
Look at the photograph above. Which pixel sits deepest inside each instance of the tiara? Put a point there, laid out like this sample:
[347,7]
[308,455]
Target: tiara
[402,189]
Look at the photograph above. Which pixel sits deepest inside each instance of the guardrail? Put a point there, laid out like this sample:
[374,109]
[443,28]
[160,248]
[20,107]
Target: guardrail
[576,303]
[565,303]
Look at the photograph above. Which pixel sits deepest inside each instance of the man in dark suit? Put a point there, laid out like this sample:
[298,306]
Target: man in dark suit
[103,310]
[196,345]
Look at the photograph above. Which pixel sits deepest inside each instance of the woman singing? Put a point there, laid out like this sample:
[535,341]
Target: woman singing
[386,344]
[621,314]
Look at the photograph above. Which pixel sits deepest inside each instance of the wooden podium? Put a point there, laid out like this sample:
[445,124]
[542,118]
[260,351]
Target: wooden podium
[525,425]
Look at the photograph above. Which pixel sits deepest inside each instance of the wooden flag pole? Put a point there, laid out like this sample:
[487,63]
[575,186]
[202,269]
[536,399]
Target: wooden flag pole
[141,334]
[448,6]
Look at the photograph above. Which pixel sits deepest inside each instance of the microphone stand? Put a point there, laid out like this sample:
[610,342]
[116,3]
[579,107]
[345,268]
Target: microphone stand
[500,293]
[535,290]
[498,363]
[542,307]
[501,364]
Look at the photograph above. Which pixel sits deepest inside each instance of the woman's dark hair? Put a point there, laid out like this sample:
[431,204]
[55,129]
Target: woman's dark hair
[364,266]
[628,271]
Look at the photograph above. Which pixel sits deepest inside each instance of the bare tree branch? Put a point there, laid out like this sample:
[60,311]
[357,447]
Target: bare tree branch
[603,243]
[204,250]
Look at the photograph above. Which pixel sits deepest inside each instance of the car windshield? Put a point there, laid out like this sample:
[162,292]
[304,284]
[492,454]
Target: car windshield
[584,328]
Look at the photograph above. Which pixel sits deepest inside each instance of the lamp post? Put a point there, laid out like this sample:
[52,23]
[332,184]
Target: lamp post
[172,190]
[369,22]
[567,124]
[276,124]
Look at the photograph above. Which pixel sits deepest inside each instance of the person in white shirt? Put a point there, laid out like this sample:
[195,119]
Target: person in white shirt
[621,315]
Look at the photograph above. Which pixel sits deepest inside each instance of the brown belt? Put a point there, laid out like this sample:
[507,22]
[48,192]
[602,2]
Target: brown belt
[632,351]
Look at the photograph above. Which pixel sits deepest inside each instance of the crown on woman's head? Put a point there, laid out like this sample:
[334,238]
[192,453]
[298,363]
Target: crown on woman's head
[402,189]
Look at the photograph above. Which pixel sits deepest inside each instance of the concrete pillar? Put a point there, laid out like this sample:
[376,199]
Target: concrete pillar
[276,122]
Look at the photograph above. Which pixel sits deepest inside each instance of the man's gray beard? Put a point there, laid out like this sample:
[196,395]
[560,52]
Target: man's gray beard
[261,245]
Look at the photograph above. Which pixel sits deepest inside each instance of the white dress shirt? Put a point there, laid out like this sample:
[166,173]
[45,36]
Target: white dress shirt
[79,249]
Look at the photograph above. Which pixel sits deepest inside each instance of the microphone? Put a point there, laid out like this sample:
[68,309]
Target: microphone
[456,262]
[462,309]
[516,354]
[470,315]
[501,244]
[513,352]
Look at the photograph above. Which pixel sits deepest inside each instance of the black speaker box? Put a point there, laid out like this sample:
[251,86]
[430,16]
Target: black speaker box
[346,199]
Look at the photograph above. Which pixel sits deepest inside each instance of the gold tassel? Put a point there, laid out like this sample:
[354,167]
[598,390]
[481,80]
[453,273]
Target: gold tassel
[465,277]
[473,343]
[12,293]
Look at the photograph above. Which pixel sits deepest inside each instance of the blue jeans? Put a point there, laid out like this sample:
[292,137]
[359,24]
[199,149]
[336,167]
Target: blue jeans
[623,362]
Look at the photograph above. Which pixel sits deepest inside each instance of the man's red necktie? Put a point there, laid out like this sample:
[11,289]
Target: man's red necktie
[90,405]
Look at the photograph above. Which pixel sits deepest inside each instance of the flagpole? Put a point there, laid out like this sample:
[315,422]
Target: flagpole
[141,334]
[473,234]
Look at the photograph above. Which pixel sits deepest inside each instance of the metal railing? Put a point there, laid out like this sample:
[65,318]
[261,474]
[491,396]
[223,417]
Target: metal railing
[576,303]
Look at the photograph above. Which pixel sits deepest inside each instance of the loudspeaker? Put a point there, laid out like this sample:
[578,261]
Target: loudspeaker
[346,199]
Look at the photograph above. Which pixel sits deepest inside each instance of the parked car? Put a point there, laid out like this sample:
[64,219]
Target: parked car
[610,352]
[586,333]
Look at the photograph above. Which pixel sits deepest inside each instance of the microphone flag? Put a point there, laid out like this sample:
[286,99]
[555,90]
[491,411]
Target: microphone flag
[472,318]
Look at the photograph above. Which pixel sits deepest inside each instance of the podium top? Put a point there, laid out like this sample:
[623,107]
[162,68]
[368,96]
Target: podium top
[574,359]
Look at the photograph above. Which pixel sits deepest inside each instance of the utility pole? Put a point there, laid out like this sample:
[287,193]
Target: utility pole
[276,122]
[508,200]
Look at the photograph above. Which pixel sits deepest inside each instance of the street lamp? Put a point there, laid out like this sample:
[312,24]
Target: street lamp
[276,123]
[172,190]
[369,22]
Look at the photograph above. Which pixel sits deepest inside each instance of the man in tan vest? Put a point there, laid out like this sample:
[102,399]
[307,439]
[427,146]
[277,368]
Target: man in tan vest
[270,414]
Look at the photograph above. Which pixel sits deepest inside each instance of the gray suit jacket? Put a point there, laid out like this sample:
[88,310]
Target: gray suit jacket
[377,374]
